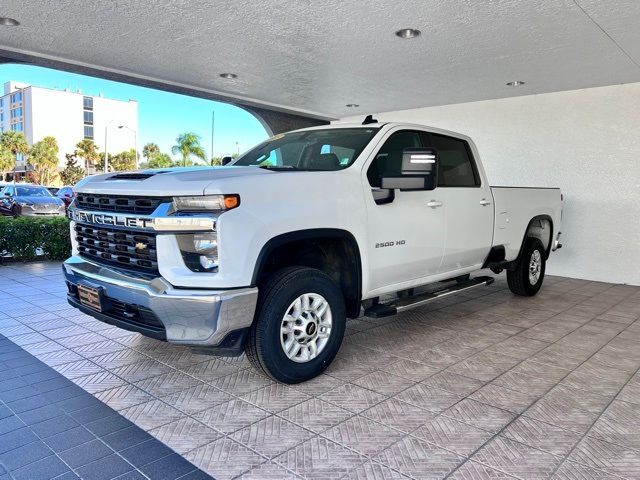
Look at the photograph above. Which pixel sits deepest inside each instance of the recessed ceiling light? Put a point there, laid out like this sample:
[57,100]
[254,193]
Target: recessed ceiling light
[407,33]
[515,83]
[352,105]
[9,22]
[229,76]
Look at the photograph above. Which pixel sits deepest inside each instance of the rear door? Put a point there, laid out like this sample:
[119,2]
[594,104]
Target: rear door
[468,204]
[406,236]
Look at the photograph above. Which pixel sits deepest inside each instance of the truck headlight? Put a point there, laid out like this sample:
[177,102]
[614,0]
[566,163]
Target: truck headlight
[199,251]
[206,203]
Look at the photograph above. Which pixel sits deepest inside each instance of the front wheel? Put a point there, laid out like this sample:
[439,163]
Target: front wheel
[299,325]
[526,279]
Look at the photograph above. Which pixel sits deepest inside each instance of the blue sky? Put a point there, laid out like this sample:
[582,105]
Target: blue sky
[162,116]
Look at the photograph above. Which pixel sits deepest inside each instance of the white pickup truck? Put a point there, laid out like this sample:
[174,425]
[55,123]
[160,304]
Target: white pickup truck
[272,253]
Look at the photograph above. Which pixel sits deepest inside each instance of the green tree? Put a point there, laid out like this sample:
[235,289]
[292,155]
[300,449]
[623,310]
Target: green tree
[188,146]
[15,143]
[120,161]
[216,161]
[72,173]
[88,151]
[150,150]
[160,160]
[43,155]
[7,160]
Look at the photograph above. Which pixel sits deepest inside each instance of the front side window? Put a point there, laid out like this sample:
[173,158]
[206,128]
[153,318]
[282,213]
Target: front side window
[88,131]
[455,167]
[326,150]
[17,127]
[16,97]
[388,160]
[87,103]
[88,118]
[16,112]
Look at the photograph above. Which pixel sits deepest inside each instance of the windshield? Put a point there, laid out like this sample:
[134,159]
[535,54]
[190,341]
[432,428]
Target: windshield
[32,192]
[331,149]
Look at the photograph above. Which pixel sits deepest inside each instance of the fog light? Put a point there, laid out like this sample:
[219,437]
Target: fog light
[199,251]
[205,242]
[207,263]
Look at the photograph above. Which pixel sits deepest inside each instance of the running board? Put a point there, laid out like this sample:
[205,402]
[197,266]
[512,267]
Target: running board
[401,304]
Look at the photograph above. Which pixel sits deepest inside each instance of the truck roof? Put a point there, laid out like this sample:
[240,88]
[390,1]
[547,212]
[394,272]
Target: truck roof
[389,125]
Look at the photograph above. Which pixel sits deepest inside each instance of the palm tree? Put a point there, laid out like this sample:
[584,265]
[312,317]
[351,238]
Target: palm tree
[150,150]
[43,155]
[15,143]
[7,160]
[188,144]
[87,150]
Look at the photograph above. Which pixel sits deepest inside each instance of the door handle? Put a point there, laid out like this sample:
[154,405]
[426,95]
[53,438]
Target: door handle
[434,204]
[484,202]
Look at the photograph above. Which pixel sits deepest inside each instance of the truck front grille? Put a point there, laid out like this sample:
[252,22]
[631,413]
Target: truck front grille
[119,203]
[123,248]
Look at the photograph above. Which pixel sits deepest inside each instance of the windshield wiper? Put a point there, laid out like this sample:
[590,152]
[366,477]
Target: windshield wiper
[276,167]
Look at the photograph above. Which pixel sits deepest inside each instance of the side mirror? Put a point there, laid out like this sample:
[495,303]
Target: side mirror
[226,160]
[419,170]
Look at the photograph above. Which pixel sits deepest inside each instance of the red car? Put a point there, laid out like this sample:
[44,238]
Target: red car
[66,195]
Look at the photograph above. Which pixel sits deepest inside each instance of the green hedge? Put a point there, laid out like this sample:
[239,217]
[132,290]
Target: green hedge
[20,237]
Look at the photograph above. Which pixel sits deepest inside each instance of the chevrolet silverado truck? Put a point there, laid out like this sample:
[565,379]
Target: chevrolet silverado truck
[272,253]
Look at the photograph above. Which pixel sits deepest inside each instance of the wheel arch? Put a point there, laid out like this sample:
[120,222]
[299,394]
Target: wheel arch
[536,229]
[332,250]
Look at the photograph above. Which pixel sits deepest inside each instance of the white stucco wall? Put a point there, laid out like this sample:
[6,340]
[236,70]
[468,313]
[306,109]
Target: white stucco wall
[586,142]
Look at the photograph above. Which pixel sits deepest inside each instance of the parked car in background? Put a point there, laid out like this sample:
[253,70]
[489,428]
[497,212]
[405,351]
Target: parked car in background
[30,200]
[65,194]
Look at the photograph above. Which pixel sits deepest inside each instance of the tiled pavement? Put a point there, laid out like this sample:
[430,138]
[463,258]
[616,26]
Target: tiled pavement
[51,428]
[481,385]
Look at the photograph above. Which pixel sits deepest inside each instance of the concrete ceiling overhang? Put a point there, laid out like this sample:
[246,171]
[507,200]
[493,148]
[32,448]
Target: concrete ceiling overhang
[309,59]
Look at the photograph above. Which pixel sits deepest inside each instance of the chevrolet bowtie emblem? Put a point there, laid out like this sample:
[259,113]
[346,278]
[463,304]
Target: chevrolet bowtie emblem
[141,246]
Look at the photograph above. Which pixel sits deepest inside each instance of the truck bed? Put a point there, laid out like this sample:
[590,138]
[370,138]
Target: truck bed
[515,207]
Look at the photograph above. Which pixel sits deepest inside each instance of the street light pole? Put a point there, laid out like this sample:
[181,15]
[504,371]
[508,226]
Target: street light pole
[106,150]
[213,119]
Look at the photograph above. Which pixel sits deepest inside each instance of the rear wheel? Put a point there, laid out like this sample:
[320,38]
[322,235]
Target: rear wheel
[526,279]
[299,325]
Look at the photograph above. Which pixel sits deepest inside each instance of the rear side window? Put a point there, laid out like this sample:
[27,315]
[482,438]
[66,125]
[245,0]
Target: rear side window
[455,165]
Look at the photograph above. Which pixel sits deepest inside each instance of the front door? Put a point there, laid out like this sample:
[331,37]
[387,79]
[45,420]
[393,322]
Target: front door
[405,235]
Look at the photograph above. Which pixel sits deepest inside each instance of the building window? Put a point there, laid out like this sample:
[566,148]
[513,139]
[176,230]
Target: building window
[16,112]
[1,117]
[88,103]
[2,102]
[88,118]
[16,97]
[17,127]
[88,131]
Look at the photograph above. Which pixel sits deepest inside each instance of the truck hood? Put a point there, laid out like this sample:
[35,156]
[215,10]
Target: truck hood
[166,181]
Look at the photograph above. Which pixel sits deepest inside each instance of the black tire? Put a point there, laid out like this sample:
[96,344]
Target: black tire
[518,279]
[264,348]
[14,211]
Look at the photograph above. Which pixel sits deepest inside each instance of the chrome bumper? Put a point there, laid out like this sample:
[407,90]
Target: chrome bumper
[190,316]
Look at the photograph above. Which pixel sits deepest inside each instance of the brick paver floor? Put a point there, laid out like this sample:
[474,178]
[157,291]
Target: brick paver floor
[480,385]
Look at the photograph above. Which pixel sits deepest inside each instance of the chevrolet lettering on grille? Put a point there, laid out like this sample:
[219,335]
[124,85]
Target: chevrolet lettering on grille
[111,220]
[158,224]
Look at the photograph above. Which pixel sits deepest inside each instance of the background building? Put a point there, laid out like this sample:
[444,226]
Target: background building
[68,117]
